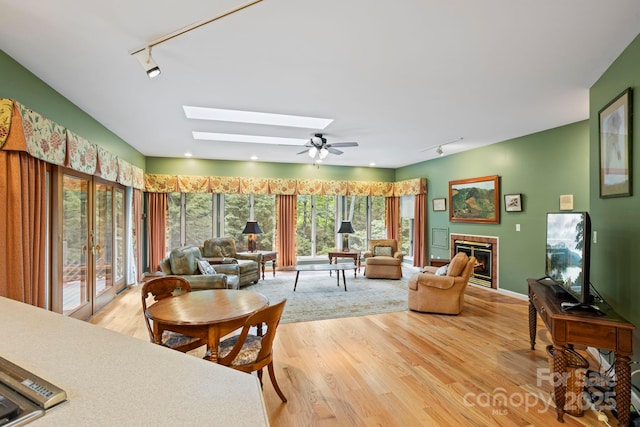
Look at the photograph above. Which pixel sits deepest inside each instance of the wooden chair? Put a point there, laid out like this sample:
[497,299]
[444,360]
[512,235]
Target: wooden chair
[247,352]
[165,287]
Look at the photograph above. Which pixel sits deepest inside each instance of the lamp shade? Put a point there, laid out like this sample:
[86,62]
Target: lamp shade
[252,227]
[346,227]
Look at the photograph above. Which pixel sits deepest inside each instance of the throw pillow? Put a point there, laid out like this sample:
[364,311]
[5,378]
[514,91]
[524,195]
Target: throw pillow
[442,271]
[382,251]
[205,267]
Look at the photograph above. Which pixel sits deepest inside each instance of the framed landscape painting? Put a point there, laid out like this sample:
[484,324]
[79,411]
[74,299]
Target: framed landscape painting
[475,200]
[615,147]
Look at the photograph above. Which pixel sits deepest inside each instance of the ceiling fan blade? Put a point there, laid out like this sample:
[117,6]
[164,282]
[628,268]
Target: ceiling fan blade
[333,150]
[343,144]
[302,152]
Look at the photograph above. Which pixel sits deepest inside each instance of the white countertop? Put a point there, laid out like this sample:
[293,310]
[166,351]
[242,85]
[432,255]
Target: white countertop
[112,379]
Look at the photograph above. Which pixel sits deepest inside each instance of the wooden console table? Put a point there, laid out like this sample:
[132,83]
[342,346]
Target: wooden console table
[355,255]
[607,331]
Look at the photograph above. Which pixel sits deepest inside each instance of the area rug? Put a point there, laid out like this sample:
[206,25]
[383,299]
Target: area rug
[317,297]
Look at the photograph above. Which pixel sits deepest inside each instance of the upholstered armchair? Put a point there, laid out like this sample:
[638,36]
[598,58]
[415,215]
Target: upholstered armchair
[187,262]
[441,290]
[383,260]
[221,254]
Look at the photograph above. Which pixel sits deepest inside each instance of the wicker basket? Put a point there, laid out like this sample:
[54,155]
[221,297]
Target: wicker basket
[575,380]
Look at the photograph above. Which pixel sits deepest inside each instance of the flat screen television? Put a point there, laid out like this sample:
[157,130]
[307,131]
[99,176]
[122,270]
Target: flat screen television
[567,255]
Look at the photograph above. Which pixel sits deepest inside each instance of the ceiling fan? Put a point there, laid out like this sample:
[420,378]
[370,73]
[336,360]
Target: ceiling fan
[319,149]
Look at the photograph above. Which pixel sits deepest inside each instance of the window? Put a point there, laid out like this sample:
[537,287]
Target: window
[377,215]
[174,227]
[240,208]
[316,225]
[407,223]
[198,218]
[190,220]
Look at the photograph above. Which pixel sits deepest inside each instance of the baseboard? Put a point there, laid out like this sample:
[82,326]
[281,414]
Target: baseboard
[503,292]
[635,399]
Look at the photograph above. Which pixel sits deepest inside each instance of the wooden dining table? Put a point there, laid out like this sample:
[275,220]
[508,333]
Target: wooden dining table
[207,314]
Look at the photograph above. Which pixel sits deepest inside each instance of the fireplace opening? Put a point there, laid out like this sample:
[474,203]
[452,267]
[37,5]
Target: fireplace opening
[485,252]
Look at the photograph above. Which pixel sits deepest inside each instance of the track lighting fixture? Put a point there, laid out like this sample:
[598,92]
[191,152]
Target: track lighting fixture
[438,148]
[149,65]
[144,54]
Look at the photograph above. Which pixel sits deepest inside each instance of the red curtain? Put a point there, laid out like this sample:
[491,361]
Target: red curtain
[23,184]
[157,206]
[419,230]
[392,219]
[286,219]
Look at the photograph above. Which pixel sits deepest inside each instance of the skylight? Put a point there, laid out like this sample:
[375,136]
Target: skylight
[256,139]
[237,116]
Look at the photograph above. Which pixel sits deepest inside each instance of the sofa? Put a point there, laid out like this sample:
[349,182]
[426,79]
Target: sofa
[441,290]
[221,254]
[383,260]
[187,262]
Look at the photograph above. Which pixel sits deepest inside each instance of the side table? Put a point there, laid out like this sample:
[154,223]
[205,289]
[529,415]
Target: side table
[355,255]
[267,256]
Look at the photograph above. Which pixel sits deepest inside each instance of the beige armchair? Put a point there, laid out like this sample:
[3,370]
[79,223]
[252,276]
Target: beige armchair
[432,293]
[221,253]
[383,260]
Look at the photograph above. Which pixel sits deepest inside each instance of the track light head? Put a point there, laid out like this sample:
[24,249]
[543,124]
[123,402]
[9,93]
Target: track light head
[439,150]
[147,62]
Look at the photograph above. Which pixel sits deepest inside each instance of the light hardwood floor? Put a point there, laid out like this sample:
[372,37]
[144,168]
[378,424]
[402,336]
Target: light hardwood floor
[401,369]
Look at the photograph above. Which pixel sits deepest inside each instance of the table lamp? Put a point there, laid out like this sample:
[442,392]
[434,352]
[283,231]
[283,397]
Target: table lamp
[252,229]
[345,229]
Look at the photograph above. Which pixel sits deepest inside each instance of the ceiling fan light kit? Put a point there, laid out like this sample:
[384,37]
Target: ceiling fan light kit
[319,149]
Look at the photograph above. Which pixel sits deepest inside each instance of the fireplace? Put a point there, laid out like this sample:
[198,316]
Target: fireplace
[485,250]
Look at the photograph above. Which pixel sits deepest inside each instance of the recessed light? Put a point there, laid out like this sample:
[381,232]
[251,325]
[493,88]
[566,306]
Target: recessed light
[254,157]
[238,116]
[188,155]
[256,139]
[372,164]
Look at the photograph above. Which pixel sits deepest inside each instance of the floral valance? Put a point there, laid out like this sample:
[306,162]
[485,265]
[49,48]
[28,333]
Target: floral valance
[6,110]
[125,174]
[161,183]
[33,133]
[156,183]
[82,155]
[22,129]
[107,165]
[410,187]
[193,184]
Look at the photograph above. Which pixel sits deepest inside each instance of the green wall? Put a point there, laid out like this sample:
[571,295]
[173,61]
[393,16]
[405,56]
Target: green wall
[616,219]
[199,167]
[18,83]
[541,167]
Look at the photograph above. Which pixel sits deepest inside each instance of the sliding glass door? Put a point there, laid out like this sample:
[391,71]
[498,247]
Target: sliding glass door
[91,244]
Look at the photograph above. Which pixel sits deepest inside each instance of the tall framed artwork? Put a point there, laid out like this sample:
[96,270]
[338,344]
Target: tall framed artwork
[615,147]
[475,200]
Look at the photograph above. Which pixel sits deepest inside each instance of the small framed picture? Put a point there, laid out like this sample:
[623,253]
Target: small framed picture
[566,202]
[439,205]
[513,202]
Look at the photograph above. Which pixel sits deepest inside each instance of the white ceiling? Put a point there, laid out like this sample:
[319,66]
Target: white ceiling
[399,78]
